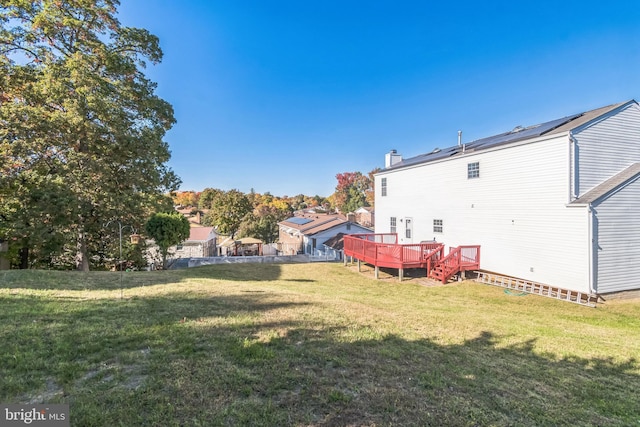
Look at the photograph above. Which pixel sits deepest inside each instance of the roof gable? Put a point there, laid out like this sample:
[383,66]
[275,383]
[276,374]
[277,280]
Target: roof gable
[590,116]
[201,234]
[364,209]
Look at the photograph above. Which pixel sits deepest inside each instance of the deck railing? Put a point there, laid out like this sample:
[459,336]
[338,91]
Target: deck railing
[384,251]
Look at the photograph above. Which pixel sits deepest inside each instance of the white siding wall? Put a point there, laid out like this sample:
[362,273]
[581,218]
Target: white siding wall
[618,240]
[607,147]
[516,210]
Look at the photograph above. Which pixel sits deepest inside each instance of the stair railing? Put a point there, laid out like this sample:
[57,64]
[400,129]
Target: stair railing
[433,256]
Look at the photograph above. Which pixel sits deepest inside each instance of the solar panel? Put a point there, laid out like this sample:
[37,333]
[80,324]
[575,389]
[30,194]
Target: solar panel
[299,220]
[520,133]
[515,135]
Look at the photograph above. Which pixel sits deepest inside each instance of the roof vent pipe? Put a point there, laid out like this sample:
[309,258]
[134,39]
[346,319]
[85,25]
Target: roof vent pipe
[459,138]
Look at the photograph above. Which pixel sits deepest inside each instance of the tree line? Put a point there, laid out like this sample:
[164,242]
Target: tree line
[82,150]
[238,214]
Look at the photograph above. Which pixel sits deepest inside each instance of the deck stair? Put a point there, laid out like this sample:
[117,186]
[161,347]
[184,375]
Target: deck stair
[459,259]
[537,288]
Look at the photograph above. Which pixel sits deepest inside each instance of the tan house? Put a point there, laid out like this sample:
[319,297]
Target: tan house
[365,216]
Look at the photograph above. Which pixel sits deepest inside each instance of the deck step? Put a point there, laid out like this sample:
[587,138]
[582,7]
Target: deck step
[437,273]
[536,288]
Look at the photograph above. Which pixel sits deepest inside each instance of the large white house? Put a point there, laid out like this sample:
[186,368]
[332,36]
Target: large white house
[556,203]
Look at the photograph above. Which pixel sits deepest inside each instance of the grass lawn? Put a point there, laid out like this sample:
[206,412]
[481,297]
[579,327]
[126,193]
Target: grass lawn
[311,344]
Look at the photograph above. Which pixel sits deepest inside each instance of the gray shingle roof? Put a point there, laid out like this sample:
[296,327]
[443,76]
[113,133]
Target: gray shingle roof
[517,134]
[609,185]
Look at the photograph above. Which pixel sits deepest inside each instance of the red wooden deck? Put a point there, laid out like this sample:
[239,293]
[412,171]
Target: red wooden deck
[383,250]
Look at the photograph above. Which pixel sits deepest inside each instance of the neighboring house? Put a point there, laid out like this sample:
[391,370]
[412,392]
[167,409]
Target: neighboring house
[307,232]
[556,203]
[201,243]
[193,214]
[365,216]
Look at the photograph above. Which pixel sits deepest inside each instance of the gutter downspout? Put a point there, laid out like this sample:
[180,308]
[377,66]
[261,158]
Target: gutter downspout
[591,242]
[573,177]
[573,168]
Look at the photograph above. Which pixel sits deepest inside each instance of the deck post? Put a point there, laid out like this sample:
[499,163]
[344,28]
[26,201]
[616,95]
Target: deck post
[400,273]
[377,272]
[359,266]
[344,259]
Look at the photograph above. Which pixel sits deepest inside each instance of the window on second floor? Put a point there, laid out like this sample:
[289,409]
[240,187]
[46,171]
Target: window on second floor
[437,226]
[473,170]
[392,225]
[383,187]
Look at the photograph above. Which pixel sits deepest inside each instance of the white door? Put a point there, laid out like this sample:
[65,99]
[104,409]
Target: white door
[408,230]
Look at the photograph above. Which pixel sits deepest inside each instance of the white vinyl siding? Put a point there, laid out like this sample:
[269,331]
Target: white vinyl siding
[607,147]
[617,239]
[517,212]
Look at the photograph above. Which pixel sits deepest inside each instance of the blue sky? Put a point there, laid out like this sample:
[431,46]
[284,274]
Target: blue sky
[280,96]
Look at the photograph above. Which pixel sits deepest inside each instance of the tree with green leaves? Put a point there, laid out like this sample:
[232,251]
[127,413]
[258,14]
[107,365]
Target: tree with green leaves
[263,221]
[227,211]
[79,117]
[351,191]
[207,196]
[167,229]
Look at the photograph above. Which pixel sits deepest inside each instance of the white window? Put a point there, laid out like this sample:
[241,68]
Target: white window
[383,187]
[437,226]
[392,225]
[473,170]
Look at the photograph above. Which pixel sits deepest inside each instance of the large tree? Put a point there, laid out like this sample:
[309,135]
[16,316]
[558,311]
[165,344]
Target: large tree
[78,116]
[351,191]
[228,210]
[262,223]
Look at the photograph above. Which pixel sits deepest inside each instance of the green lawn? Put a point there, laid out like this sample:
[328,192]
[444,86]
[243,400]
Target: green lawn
[311,344]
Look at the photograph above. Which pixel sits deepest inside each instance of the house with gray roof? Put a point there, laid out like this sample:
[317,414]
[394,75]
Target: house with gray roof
[557,203]
[307,232]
